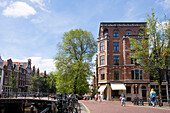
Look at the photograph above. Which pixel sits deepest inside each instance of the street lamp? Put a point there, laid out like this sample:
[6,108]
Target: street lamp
[136,85]
[97,74]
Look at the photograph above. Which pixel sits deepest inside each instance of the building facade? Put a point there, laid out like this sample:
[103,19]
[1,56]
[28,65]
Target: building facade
[118,73]
[1,74]
[21,71]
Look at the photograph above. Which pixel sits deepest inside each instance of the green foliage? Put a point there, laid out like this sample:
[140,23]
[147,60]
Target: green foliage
[76,49]
[35,83]
[153,48]
[13,81]
[51,79]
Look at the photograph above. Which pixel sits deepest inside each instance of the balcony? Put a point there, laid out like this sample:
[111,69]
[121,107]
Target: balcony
[106,36]
[133,36]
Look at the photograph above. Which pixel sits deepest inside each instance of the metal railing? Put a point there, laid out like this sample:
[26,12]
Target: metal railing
[26,94]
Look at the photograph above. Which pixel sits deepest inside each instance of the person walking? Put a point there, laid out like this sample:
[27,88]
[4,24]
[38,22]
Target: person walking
[101,97]
[153,96]
[122,98]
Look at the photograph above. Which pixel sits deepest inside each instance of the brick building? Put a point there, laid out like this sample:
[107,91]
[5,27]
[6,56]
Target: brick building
[1,73]
[117,71]
[22,72]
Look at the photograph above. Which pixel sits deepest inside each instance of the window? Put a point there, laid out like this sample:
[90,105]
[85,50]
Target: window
[101,46]
[6,80]
[128,32]
[136,61]
[141,32]
[102,60]
[137,74]
[102,74]
[116,75]
[115,34]
[116,46]
[141,74]
[116,60]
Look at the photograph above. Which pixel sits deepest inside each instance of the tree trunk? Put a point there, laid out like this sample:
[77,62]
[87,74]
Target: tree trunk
[160,84]
[75,84]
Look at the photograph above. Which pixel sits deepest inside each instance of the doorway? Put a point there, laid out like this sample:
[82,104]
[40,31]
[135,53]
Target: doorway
[144,93]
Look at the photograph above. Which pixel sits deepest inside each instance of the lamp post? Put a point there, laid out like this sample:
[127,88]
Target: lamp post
[97,74]
[136,85]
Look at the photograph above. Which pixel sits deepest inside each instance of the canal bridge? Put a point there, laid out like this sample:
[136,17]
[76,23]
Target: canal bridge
[39,102]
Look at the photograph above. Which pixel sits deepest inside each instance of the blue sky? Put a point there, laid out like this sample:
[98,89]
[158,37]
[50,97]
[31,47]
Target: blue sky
[32,28]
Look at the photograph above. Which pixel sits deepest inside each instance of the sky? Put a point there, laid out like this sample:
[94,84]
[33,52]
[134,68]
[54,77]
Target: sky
[32,28]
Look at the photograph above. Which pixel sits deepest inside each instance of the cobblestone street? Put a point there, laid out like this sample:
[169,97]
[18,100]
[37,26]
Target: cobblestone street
[114,107]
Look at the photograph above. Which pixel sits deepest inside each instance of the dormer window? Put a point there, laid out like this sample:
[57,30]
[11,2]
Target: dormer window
[128,32]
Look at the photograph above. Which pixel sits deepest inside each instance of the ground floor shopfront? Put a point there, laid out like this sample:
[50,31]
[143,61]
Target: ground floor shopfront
[112,91]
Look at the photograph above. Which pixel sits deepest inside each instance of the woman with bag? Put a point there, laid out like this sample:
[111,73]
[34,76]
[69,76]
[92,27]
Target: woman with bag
[153,96]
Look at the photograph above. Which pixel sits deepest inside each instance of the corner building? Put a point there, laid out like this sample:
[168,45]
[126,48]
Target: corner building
[117,72]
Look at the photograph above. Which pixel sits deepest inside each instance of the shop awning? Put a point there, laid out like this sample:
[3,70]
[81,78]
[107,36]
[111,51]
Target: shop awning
[118,87]
[102,87]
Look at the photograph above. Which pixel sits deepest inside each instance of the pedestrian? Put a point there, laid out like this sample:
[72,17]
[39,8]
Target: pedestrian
[95,97]
[153,96]
[101,97]
[122,98]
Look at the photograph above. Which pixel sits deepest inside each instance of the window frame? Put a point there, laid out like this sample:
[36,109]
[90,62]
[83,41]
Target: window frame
[102,46]
[115,34]
[116,77]
[102,74]
[116,60]
[116,46]
[102,60]
[128,33]
[134,72]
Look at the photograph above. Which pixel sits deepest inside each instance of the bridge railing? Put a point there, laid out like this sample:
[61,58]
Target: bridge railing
[26,94]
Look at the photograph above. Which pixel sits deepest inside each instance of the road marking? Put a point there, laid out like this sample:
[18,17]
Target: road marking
[86,107]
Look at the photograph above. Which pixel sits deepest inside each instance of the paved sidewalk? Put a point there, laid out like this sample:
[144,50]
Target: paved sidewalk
[114,107]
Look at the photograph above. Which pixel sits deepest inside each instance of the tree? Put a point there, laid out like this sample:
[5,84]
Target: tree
[35,83]
[43,85]
[77,48]
[51,82]
[152,49]
[13,81]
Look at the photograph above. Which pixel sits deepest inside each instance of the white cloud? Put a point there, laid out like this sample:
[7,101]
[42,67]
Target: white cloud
[164,3]
[39,62]
[40,4]
[3,4]
[19,9]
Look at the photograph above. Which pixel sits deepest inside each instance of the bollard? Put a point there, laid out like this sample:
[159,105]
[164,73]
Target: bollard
[142,103]
[137,101]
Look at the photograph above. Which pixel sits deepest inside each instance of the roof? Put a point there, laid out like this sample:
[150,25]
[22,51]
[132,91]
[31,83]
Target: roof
[123,22]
